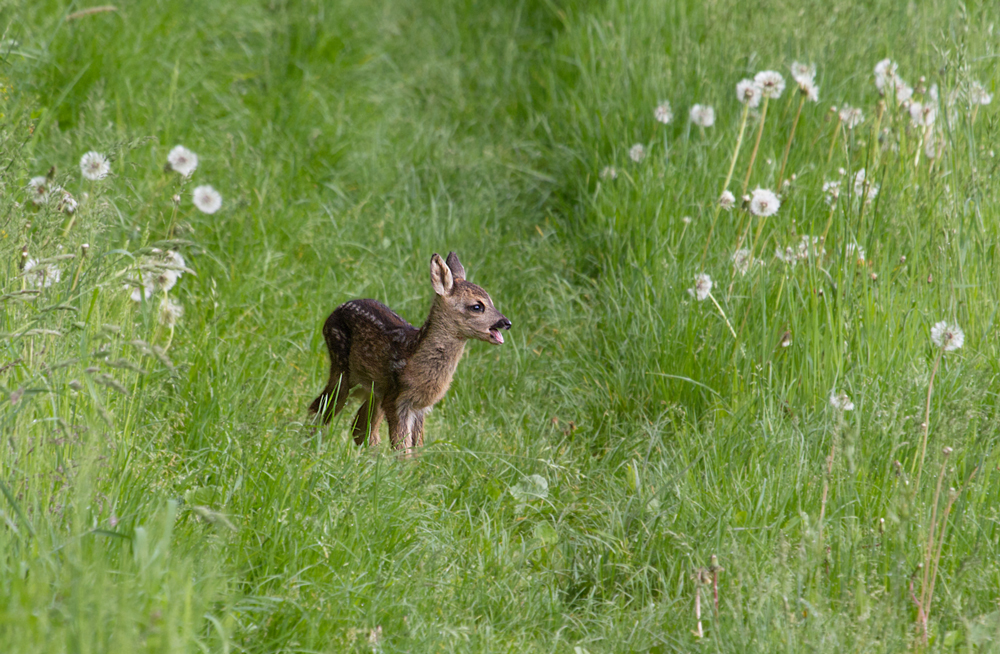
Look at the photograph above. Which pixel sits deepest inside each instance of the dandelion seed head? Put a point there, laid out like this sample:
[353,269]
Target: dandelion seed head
[182,160]
[727,200]
[174,261]
[609,173]
[207,199]
[702,115]
[749,92]
[977,94]
[860,185]
[803,73]
[810,90]
[771,83]
[841,401]
[67,203]
[663,113]
[170,312]
[38,188]
[94,166]
[949,337]
[41,275]
[702,287]
[764,203]
[922,115]
[885,71]
[743,261]
[854,251]
[637,152]
[686,220]
[139,291]
[850,116]
[832,191]
[903,91]
[934,146]
[165,279]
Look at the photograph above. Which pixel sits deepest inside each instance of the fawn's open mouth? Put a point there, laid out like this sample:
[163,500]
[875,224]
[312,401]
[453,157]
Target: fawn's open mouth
[495,335]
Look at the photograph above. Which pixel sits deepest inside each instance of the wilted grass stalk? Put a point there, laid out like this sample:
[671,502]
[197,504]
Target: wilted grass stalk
[756,145]
[729,176]
[925,585]
[722,313]
[788,146]
[833,140]
[927,419]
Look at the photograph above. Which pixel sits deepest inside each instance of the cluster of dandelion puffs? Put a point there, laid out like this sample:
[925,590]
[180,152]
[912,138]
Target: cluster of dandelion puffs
[156,272]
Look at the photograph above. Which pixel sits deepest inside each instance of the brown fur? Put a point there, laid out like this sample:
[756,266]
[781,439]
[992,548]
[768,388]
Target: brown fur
[403,371]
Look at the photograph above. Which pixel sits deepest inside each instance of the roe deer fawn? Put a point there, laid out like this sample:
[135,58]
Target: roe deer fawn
[403,371]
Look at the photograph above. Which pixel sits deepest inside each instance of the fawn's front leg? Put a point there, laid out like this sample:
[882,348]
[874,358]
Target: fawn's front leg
[416,435]
[367,422]
[398,424]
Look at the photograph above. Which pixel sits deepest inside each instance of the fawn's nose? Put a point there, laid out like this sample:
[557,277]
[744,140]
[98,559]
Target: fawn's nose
[503,323]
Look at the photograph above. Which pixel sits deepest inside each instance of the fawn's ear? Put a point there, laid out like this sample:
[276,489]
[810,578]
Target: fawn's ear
[457,269]
[441,277]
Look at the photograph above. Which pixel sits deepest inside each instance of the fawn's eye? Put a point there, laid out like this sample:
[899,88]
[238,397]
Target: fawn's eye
[477,307]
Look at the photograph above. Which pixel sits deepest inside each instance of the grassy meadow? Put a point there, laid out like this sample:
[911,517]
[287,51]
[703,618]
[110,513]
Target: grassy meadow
[794,461]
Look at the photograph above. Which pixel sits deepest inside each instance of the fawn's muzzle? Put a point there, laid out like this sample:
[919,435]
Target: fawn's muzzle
[495,334]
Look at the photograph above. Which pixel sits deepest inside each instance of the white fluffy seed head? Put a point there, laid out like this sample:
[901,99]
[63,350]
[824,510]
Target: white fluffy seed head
[182,160]
[170,312]
[850,116]
[637,152]
[38,189]
[727,200]
[764,203]
[810,90]
[94,166]
[885,72]
[702,115]
[841,401]
[749,92]
[978,95]
[41,275]
[771,83]
[663,113]
[803,73]
[702,287]
[207,199]
[948,337]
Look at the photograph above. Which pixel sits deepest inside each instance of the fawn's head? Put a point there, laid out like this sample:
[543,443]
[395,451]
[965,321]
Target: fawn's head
[466,309]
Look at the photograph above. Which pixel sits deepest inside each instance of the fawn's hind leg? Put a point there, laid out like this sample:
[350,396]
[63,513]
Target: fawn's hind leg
[367,422]
[338,387]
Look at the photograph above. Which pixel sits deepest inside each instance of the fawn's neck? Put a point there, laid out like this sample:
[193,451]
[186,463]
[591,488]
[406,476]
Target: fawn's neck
[433,362]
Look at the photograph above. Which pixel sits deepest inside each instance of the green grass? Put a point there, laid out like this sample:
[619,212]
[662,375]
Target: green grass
[178,500]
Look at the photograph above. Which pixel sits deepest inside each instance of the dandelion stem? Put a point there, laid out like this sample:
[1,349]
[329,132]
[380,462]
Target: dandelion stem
[833,140]
[756,145]
[829,220]
[925,586]
[788,146]
[927,420]
[920,145]
[952,496]
[739,143]
[723,313]
[876,150]
[729,177]
[829,473]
